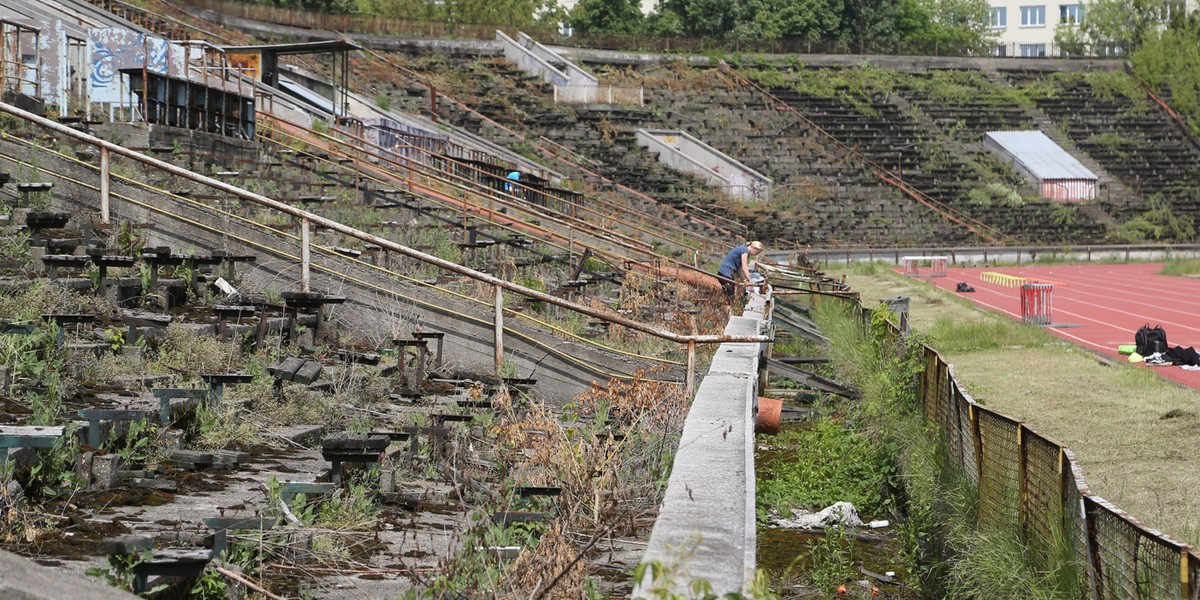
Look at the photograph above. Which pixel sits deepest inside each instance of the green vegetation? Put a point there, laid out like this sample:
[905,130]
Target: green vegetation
[995,194]
[934,25]
[835,464]
[1182,267]
[659,580]
[1168,63]
[989,332]
[939,525]
[1159,223]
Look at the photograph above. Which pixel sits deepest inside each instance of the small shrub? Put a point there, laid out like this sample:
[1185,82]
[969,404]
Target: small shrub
[995,194]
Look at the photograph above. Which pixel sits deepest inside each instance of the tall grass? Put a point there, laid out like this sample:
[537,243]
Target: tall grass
[952,558]
[1181,267]
[955,335]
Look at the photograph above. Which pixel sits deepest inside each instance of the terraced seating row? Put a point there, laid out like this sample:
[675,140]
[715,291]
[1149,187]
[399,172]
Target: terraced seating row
[1146,152]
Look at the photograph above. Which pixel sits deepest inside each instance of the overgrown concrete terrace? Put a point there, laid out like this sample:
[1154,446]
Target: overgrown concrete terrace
[1031,220]
[519,254]
[375,296]
[923,120]
[447,182]
[401,87]
[514,102]
[147,218]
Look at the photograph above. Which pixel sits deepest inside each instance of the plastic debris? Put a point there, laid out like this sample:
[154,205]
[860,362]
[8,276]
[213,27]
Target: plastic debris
[840,513]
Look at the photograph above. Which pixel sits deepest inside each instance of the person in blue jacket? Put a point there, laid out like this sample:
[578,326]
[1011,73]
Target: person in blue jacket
[737,265]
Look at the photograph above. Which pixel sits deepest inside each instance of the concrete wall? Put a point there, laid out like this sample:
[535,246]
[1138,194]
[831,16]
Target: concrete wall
[529,62]
[575,74]
[706,526]
[683,152]
[23,579]
[598,94]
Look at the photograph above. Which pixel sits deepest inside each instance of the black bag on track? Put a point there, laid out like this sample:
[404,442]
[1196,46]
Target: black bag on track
[1149,340]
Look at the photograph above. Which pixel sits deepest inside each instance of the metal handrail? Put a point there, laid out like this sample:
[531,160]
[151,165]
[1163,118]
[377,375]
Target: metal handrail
[309,219]
[492,197]
[328,251]
[440,176]
[591,171]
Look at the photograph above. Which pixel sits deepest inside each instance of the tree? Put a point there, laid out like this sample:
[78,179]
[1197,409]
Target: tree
[946,26]
[1171,61]
[870,25]
[513,13]
[1119,27]
[619,17]
[810,20]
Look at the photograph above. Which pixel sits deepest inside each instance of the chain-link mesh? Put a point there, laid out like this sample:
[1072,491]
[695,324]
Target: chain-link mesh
[1194,576]
[1075,526]
[950,427]
[1036,485]
[999,489]
[945,397]
[1114,550]
[966,433]
[1157,567]
[1043,497]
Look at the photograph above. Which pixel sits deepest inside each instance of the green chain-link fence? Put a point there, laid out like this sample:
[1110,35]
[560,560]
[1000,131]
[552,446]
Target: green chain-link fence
[1034,484]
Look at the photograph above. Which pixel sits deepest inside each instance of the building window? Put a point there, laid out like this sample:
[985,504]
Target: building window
[1000,50]
[1070,13]
[999,17]
[1033,50]
[1033,16]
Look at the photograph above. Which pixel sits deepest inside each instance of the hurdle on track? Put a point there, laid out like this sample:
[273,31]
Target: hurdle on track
[912,265]
[1003,280]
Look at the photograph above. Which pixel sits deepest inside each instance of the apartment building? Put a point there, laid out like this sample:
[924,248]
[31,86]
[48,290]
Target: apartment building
[1026,27]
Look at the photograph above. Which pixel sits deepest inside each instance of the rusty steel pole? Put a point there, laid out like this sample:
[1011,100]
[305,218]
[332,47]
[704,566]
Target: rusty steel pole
[305,255]
[499,333]
[105,192]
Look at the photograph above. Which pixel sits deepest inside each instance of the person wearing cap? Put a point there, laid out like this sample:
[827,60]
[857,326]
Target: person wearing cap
[737,265]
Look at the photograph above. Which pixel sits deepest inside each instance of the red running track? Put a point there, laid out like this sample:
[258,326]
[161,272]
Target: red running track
[1105,304]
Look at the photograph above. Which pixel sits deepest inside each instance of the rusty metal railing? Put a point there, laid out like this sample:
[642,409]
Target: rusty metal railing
[308,220]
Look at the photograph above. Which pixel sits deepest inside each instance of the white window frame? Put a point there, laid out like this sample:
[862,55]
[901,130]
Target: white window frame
[1028,14]
[998,17]
[1032,51]
[1071,14]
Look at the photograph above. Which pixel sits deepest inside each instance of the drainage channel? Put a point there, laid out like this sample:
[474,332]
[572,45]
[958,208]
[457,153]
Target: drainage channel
[826,519]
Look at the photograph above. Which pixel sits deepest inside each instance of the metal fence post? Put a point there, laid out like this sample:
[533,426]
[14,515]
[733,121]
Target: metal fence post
[499,334]
[105,166]
[977,440]
[1185,576]
[305,256]
[1022,481]
[690,383]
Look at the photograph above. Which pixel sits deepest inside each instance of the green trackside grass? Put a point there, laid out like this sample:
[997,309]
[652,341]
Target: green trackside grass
[1182,267]
[1133,431]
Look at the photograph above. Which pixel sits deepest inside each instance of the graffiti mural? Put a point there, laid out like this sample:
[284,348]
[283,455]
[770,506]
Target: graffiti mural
[113,49]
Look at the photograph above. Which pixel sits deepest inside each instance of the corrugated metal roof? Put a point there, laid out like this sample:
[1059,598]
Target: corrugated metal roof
[1040,155]
[76,16]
